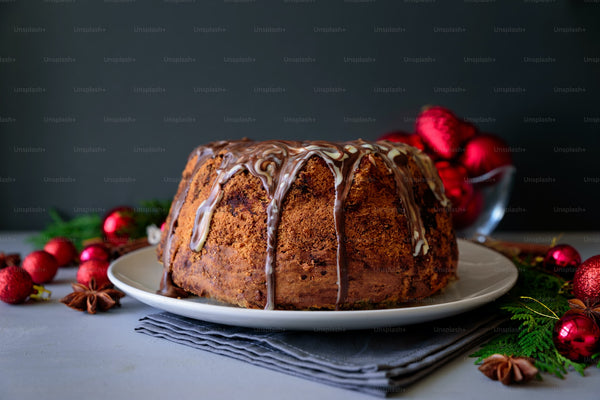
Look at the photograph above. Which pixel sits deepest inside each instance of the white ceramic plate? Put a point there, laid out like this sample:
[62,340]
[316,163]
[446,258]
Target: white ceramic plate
[484,276]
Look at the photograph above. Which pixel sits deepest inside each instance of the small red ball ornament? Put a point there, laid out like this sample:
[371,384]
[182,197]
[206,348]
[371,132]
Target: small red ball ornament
[586,282]
[119,225]
[96,269]
[442,131]
[562,259]
[41,265]
[15,285]
[62,249]
[94,252]
[484,153]
[410,139]
[466,201]
[576,336]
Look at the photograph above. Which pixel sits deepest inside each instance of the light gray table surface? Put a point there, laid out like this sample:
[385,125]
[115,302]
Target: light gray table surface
[48,351]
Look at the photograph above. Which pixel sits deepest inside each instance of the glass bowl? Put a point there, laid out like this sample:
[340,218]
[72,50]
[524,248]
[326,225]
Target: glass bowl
[495,187]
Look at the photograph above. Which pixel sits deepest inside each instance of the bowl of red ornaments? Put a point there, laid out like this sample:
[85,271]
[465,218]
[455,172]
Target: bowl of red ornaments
[475,167]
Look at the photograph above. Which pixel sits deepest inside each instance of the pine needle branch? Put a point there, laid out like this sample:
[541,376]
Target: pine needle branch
[532,308]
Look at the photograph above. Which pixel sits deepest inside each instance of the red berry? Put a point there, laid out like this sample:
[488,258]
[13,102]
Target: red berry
[94,252]
[15,285]
[96,269]
[442,131]
[411,139]
[41,265]
[62,249]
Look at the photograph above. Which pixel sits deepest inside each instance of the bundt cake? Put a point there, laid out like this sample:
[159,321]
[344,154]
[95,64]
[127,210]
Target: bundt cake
[308,225]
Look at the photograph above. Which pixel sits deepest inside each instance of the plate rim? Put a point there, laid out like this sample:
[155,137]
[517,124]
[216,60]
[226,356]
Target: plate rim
[296,319]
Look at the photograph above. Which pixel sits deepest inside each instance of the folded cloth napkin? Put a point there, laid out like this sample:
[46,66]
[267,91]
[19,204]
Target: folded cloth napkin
[379,361]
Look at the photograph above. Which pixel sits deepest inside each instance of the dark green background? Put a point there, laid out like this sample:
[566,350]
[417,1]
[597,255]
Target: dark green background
[101,102]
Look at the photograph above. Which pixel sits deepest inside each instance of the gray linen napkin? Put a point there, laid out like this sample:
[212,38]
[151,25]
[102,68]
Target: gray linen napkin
[380,361]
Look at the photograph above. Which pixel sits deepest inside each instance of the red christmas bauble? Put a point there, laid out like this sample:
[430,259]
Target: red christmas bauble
[466,201]
[94,252]
[96,269]
[455,180]
[467,129]
[586,282]
[62,249]
[467,214]
[484,153]
[410,139]
[119,225]
[442,131]
[41,265]
[163,226]
[563,260]
[576,336]
[15,285]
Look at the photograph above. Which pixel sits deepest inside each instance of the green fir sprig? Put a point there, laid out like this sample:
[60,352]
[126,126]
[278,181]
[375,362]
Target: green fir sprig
[532,307]
[148,213]
[77,229]
[88,226]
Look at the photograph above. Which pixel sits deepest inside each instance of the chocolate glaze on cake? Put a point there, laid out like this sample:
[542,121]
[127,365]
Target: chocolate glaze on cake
[277,165]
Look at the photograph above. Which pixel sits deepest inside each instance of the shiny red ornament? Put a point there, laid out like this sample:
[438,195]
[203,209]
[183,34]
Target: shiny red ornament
[15,285]
[163,226]
[96,269]
[410,139]
[94,252]
[576,336]
[586,282]
[119,225]
[467,202]
[62,249]
[562,259]
[483,153]
[466,215]
[41,265]
[442,131]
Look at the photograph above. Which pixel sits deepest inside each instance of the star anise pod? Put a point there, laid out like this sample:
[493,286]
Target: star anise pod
[591,311]
[508,369]
[91,299]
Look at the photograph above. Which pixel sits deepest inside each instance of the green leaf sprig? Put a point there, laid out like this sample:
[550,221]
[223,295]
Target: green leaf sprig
[533,306]
[88,226]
